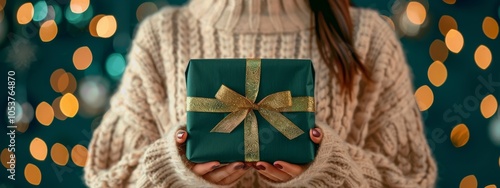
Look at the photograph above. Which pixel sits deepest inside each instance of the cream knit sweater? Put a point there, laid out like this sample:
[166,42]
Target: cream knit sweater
[375,140]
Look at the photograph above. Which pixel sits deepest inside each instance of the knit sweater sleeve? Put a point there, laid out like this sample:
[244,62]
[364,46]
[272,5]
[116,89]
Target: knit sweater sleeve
[395,152]
[134,145]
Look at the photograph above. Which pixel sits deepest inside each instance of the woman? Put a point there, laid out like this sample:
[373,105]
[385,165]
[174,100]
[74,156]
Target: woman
[369,128]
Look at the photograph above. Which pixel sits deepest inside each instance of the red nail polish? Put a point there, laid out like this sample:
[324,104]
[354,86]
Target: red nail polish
[278,166]
[180,134]
[316,133]
[260,167]
[239,167]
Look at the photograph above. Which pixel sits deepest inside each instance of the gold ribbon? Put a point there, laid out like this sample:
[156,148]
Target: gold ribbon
[241,109]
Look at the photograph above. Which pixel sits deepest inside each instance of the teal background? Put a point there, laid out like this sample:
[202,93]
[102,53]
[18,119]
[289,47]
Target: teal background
[34,62]
[204,78]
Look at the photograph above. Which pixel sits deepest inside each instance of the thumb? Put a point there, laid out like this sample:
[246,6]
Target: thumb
[316,135]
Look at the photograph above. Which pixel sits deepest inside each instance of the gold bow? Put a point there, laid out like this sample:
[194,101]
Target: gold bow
[241,109]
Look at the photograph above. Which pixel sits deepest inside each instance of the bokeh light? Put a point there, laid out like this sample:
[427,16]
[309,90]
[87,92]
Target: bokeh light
[416,12]
[71,87]
[32,174]
[115,65]
[54,80]
[489,106]
[483,57]
[121,42]
[424,97]
[93,25]
[5,157]
[389,21]
[44,113]
[491,186]
[56,105]
[79,6]
[2,4]
[451,2]
[469,181]
[490,27]
[82,58]
[446,23]
[79,155]
[437,73]
[438,50]
[93,92]
[27,116]
[145,9]
[69,105]
[79,20]
[25,13]
[59,154]
[41,10]
[19,112]
[106,26]
[54,13]
[62,82]
[38,149]
[459,135]
[454,41]
[48,31]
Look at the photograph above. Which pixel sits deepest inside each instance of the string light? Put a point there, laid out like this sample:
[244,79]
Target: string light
[106,26]
[48,31]
[69,105]
[468,182]
[79,6]
[38,149]
[490,27]
[446,23]
[438,50]
[82,58]
[44,113]
[454,41]
[489,106]
[79,155]
[41,11]
[59,154]
[416,12]
[437,73]
[25,13]
[482,57]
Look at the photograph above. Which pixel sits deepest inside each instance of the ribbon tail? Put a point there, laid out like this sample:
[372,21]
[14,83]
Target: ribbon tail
[251,138]
[230,122]
[281,123]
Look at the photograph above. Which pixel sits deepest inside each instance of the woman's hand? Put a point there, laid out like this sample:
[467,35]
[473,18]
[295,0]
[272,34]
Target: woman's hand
[213,171]
[281,171]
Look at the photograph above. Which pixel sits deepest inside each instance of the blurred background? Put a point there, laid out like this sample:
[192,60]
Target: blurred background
[69,55]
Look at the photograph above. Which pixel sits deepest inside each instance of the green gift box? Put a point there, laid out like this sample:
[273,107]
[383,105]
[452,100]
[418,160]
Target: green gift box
[250,110]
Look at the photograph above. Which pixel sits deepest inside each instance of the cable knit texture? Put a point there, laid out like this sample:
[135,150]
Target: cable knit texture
[374,140]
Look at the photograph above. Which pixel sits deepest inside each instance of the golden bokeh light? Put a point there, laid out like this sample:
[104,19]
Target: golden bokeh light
[459,135]
[57,110]
[483,57]
[32,174]
[44,113]
[5,157]
[79,6]
[446,23]
[416,12]
[62,82]
[454,41]
[2,4]
[82,58]
[424,97]
[489,106]
[93,25]
[145,9]
[491,186]
[438,50]
[490,27]
[25,13]
[48,31]
[437,73]
[71,84]
[59,154]
[450,2]
[38,149]
[469,181]
[106,26]
[54,79]
[69,105]
[79,155]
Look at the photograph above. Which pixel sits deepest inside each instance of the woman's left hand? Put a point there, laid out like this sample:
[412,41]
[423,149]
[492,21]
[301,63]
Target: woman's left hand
[281,171]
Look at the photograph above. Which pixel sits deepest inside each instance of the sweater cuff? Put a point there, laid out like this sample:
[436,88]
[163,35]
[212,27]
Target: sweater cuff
[165,167]
[330,168]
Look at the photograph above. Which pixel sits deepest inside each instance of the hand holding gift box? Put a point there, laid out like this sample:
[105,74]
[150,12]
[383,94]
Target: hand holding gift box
[284,89]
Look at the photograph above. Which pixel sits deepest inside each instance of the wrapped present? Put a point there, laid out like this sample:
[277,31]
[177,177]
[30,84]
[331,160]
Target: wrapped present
[250,110]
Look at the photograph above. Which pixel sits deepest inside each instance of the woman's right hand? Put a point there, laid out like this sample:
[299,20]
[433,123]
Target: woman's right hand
[213,171]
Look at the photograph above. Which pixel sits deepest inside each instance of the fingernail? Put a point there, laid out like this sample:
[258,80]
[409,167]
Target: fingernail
[316,133]
[278,166]
[246,167]
[215,166]
[260,167]
[239,166]
[180,134]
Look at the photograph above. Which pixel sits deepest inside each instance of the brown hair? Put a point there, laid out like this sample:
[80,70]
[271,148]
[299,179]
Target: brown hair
[334,36]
